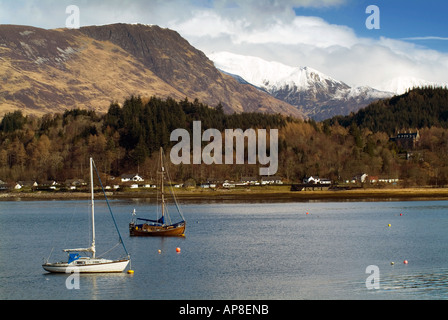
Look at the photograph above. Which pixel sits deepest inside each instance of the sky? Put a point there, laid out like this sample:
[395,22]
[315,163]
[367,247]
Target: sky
[410,38]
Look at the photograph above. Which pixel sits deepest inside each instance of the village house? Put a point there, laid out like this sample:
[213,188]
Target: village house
[271,180]
[74,184]
[48,185]
[246,181]
[388,180]
[359,178]
[209,185]
[3,185]
[373,179]
[312,184]
[228,184]
[26,184]
[406,140]
[131,178]
[316,180]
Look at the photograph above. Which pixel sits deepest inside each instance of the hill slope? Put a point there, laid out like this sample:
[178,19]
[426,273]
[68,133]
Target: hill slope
[416,109]
[45,71]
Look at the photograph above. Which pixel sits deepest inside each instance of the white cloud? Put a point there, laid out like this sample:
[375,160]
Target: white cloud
[312,31]
[311,41]
[426,38]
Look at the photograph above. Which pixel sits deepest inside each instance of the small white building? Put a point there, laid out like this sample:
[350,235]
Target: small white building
[21,184]
[317,180]
[311,180]
[249,181]
[271,180]
[360,178]
[131,177]
[228,184]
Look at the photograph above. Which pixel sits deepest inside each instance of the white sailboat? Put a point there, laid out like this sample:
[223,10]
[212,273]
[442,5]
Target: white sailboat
[86,264]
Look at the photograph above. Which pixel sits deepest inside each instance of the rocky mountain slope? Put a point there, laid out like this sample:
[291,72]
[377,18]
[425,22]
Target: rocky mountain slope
[46,71]
[314,93]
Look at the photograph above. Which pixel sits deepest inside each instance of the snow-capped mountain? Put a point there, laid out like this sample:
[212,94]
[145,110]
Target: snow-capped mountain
[269,75]
[314,93]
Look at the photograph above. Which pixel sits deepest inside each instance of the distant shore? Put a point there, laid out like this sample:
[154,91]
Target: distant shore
[264,194]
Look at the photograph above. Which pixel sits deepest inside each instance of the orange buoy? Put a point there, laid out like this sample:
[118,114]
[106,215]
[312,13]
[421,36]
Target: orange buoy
[178,250]
[405,261]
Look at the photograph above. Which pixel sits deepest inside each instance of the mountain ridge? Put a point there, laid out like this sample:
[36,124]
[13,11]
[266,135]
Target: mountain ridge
[46,71]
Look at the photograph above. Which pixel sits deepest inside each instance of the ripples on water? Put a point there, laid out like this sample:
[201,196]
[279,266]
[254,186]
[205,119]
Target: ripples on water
[237,251]
[431,284]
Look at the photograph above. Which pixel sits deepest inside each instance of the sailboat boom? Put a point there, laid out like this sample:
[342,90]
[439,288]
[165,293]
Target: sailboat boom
[91,249]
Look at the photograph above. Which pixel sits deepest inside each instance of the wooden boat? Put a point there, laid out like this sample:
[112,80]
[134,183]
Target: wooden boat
[89,264]
[151,229]
[163,226]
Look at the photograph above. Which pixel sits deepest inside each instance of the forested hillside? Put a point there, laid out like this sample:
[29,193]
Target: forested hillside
[122,141]
[418,108]
[128,137]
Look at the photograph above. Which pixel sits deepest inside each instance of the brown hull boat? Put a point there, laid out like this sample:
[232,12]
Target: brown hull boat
[163,227]
[146,230]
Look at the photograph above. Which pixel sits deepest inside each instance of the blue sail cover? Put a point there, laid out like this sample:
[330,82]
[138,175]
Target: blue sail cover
[160,221]
[73,257]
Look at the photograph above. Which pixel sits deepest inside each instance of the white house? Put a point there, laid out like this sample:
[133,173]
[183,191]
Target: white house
[131,177]
[360,178]
[271,180]
[19,185]
[228,184]
[72,184]
[311,180]
[49,184]
[249,181]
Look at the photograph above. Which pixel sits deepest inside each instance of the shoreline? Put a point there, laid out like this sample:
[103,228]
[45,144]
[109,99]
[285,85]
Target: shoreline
[247,195]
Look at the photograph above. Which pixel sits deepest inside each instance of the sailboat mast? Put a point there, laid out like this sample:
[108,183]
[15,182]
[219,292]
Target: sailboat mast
[92,208]
[161,183]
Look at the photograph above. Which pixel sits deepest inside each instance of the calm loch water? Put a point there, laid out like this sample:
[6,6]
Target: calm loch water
[239,251]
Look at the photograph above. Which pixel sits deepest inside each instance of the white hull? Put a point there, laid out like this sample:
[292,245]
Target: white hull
[87,266]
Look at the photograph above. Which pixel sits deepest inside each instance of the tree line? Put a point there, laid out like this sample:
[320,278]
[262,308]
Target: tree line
[418,108]
[124,140]
[127,140]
